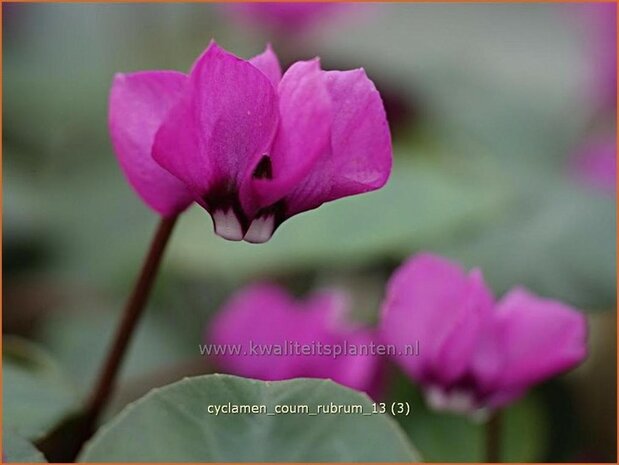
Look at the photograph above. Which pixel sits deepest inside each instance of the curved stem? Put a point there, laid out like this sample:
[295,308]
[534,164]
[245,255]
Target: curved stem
[131,315]
[64,443]
[493,438]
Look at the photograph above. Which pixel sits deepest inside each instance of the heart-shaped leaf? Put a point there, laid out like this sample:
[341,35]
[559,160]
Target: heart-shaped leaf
[177,423]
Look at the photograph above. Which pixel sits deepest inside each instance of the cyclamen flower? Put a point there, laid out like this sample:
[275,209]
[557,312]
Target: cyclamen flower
[475,353]
[249,145]
[602,23]
[596,163]
[282,17]
[282,338]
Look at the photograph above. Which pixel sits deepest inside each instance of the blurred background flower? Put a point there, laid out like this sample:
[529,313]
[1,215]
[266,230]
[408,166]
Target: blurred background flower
[283,18]
[478,354]
[264,320]
[488,105]
[600,20]
[595,164]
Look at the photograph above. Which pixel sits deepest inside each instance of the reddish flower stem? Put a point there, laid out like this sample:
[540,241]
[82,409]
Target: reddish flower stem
[133,310]
[493,438]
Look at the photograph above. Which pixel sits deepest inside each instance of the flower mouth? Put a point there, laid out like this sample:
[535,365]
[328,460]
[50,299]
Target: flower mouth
[266,221]
[229,220]
[234,226]
[261,229]
[227,224]
[264,168]
[454,400]
[232,223]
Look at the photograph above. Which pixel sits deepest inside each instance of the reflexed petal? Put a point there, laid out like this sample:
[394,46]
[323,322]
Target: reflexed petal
[261,229]
[227,224]
[361,141]
[431,300]
[139,103]
[223,125]
[268,63]
[304,132]
[539,338]
[360,155]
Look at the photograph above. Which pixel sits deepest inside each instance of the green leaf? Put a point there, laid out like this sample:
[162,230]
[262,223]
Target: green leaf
[16,449]
[422,202]
[35,394]
[80,341]
[173,424]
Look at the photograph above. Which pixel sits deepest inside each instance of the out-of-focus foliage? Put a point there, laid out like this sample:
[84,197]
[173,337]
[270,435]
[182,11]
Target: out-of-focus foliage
[35,392]
[565,261]
[19,450]
[79,340]
[487,102]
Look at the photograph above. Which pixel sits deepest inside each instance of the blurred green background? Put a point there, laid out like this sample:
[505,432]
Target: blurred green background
[488,104]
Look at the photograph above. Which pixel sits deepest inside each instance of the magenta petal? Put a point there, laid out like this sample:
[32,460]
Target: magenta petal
[356,371]
[596,163]
[268,63]
[262,314]
[601,34]
[360,155]
[265,315]
[431,300]
[303,135]
[139,102]
[539,338]
[488,360]
[215,136]
[454,354]
[361,140]
[283,17]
